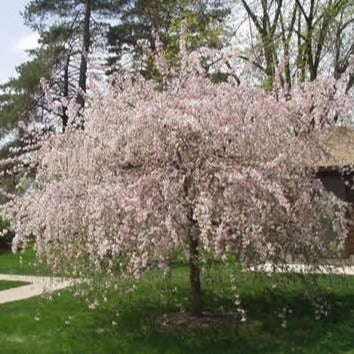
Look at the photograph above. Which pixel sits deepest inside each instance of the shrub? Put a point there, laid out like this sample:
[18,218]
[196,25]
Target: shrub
[6,236]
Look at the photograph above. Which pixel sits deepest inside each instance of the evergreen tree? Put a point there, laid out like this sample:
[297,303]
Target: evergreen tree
[40,14]
[22,98]
[141,17]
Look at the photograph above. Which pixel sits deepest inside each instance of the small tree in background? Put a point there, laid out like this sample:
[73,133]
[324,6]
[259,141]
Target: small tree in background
[6,236]
[207,169]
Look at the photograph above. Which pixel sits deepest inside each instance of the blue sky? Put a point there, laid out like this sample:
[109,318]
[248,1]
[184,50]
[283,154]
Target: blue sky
[15,38]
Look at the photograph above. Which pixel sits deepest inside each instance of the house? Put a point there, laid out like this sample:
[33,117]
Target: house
[336,171]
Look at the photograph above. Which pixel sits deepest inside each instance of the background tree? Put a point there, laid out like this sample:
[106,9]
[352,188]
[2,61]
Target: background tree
[25,111]
[80,15]
[23,97]
[309,39]
[129,38]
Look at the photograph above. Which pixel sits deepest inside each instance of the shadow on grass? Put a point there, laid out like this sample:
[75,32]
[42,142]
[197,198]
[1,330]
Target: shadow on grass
[137,332]
[262,332]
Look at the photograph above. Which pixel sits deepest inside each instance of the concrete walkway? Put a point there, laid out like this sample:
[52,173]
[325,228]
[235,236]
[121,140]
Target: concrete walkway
[37,286]
[302,268]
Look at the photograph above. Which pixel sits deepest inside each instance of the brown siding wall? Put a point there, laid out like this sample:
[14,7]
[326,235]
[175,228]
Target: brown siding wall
[349,245]
[334,183]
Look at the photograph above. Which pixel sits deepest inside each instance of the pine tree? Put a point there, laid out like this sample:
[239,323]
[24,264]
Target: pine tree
[80,16]
[140,18]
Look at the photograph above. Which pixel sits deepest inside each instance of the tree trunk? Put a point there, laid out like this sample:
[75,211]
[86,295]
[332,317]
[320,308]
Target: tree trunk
[269,58]
[196,291]
[194,264]
[65,117]
[85,51]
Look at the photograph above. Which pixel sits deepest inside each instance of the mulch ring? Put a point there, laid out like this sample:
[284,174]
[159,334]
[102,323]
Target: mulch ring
[188,321]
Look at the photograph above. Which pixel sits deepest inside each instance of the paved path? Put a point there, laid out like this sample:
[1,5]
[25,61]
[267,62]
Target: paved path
[37,286]
[302,268]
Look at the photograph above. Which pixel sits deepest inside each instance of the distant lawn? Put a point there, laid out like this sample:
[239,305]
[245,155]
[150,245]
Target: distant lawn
[65,325]
[20,263]
[4,285]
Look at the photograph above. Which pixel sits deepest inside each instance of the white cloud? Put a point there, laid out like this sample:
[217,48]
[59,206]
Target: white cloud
[28,41]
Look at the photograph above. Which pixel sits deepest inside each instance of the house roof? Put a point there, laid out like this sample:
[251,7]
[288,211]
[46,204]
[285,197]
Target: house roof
[339,145]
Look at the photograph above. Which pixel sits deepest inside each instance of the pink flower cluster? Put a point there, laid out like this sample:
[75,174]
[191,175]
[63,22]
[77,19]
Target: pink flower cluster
[118,194]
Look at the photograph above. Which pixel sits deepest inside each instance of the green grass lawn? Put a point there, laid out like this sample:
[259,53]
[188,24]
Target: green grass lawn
[66,325]
[23,263]
[4,285]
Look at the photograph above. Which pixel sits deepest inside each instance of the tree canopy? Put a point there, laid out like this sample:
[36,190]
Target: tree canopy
[187,169]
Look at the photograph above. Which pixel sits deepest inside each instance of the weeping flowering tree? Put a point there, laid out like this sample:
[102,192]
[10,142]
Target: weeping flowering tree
[198,168]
